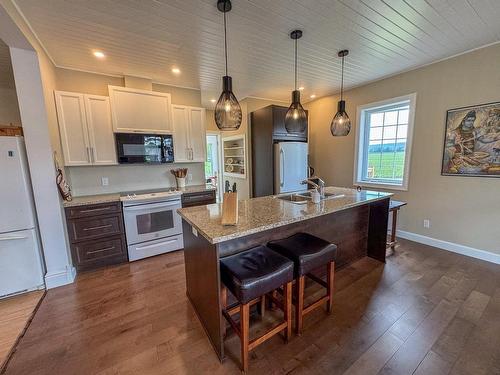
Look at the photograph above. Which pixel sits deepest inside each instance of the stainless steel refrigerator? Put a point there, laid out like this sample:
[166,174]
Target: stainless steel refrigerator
[290,166]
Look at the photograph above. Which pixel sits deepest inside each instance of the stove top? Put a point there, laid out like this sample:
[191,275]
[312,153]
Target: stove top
[150,194]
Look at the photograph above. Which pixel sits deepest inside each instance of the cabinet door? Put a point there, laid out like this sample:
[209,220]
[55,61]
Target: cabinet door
[102,139]
[197,134]
[73,128]
[180,117]
[140,111]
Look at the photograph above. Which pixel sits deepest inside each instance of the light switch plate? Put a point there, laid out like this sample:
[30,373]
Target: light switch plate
[195,232]
[104,181]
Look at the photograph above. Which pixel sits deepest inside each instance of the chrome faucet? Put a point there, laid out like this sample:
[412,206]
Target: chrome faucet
[320,186]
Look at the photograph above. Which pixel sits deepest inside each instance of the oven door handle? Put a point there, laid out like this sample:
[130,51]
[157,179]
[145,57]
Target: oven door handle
[143,207]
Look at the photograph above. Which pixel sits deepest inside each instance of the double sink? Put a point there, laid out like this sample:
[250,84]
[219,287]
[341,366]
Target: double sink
[303,198]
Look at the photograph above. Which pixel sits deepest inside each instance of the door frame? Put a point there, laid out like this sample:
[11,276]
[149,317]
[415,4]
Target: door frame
[221,165]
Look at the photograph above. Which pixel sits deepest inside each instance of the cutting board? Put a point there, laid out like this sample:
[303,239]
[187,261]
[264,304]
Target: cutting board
[230,209]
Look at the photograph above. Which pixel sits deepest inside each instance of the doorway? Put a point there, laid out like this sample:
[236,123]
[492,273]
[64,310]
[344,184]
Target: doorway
[213,162]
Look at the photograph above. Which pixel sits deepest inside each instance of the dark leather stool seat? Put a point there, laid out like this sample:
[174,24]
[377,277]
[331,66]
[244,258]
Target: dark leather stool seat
[250,275]
[255,272]
[307,251]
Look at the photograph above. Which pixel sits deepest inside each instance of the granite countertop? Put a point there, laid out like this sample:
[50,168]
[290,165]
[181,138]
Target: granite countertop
[260,214]
[115,197]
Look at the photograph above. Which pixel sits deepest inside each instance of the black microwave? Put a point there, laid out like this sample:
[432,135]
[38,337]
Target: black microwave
[144,148]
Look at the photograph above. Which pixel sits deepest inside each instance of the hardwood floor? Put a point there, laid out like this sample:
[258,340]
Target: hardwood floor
[427,311]
[15,314]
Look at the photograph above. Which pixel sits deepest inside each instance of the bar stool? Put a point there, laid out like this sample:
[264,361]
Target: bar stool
[250,275]
[308,252]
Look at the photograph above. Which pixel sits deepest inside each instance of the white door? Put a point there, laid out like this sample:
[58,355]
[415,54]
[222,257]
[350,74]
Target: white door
[20,262]
[16,212]
[73,128]
[180,119]
[197,134]
[140,111]
[102,140]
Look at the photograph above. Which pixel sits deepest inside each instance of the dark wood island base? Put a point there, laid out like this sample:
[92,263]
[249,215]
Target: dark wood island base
[357,231]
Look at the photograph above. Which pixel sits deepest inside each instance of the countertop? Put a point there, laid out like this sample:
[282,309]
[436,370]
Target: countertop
[115,197]
[260,214]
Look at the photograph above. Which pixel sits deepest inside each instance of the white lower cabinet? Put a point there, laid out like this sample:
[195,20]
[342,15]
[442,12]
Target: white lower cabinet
[86,129]
[189,133]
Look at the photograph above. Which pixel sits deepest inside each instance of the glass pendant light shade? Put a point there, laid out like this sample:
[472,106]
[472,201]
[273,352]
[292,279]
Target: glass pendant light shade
[296,117]
[341,124]
[227,110]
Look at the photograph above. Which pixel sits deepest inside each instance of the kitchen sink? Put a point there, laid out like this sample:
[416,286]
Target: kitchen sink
[307,194]
[294,198]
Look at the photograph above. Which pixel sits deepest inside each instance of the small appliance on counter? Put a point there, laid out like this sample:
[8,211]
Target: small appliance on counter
[152,224]
[144,148]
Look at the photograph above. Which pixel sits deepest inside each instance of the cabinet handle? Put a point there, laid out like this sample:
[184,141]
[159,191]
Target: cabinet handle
[98,227]
[96,209]
[101,250]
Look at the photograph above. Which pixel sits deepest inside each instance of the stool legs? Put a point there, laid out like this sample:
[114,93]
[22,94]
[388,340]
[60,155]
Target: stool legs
[299,304]
[330,276]
[287,302]
[244,338]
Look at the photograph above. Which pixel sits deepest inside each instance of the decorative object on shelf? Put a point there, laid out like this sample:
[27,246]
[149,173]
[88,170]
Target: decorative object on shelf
[230,209]
[341,124]
[472,141]
[229,168]
[296,117]
[180,176]
[229,161]
[227,110]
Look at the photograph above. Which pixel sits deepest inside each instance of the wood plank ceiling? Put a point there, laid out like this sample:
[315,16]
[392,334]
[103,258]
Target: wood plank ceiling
[147,38]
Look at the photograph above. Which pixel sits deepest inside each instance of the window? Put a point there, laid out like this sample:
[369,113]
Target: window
[384,139]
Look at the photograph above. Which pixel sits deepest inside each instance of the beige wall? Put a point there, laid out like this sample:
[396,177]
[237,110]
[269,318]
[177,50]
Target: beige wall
[87,180]
[9,109]
[462,210]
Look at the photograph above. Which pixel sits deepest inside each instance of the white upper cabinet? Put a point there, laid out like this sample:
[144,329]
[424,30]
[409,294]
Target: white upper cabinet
[189,133]
[140,111]
[73,128]
[101,136]
[85,128]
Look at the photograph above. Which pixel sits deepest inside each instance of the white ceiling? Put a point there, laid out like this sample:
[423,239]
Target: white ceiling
[147,38]
[6,74]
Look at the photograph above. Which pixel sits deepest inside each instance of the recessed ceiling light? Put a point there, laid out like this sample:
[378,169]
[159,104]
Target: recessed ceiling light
[176,70]
[301,88]
[313,96]
[99,54]
[213,100]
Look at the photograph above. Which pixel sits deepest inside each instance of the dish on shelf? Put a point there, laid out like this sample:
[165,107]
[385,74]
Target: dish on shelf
[229,161]
[229,168]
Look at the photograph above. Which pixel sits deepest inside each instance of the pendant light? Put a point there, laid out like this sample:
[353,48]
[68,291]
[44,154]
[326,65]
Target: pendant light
[296,117]
[341,124]
[227,110]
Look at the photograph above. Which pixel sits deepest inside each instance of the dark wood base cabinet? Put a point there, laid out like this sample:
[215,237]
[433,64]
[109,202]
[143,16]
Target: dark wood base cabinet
[96,235]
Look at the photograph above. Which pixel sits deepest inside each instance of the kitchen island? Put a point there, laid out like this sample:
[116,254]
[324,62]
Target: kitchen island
[356,221]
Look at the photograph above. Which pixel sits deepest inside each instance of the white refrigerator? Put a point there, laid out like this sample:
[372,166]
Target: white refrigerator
[21,267]
[290,166]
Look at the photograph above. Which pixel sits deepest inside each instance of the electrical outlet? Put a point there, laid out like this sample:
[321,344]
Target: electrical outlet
[104,181]
[190,177]
[427,223]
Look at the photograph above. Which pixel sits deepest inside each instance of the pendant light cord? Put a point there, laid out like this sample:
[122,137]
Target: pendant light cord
[295,64]
[225,35]
[342,80]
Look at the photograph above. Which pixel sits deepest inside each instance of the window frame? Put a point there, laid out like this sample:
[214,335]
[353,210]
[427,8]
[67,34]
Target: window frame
[361,139]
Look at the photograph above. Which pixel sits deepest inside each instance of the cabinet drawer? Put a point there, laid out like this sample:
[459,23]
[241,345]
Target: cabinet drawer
[92,254]
[95,227]
[198,199]
[93,210]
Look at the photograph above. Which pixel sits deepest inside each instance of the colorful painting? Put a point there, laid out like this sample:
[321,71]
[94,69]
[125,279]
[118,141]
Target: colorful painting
[472,141]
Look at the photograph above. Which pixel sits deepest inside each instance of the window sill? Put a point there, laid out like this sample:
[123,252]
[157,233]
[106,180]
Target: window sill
[381,185]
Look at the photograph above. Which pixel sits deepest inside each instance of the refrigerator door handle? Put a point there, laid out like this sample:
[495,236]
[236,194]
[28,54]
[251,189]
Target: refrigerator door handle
[282,168]
[11,238]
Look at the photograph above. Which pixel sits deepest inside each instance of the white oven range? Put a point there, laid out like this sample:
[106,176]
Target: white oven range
[152,224]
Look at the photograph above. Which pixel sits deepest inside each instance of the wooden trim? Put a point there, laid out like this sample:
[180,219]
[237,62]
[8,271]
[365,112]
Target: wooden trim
[10,131]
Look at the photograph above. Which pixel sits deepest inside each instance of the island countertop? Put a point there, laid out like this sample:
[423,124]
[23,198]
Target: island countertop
[264,213]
